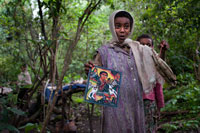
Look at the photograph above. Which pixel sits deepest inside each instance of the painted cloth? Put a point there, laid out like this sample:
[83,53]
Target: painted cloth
[150,116]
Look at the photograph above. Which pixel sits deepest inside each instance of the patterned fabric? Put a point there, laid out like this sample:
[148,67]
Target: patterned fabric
[150,116]
[128,117]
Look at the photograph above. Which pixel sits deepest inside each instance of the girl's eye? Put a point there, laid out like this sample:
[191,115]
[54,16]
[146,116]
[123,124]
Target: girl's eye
[126,26]
[117,26]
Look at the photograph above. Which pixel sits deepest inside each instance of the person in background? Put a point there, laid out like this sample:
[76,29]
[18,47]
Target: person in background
[153,101]
[24,83]
[145,39]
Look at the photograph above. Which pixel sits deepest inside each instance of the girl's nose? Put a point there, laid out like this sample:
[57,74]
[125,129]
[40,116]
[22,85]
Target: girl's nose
[122,29]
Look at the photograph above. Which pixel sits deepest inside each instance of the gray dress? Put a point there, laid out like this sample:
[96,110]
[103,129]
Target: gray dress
[128,117]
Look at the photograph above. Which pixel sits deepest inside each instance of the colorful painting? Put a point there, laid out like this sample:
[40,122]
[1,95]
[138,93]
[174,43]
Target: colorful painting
[103,86]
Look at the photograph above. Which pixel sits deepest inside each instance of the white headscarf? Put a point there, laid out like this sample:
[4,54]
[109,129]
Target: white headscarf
[112,25]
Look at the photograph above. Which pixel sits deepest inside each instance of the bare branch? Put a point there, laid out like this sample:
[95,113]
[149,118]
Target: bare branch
[68,56]
[41,20]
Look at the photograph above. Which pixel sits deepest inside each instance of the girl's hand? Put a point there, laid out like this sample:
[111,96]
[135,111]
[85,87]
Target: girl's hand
[88,66]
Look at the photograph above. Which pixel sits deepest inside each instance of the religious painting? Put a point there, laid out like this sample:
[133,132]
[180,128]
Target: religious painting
[103,86]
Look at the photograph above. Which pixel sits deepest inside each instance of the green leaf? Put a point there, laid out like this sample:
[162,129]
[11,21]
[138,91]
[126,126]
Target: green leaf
[16,111]
[49,42]
[9,127]
[29,126]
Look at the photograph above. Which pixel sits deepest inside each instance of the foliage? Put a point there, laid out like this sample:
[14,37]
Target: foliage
[30,127]
[178,23]
[77,99]
[7,112]
[8,63]
[4,126]
[97,24]
[190,125]
[184,98]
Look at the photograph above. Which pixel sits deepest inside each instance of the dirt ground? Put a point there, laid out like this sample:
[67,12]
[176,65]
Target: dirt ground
[79,120]
[83,126]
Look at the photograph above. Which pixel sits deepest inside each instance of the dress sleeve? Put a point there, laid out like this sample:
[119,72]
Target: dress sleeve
[164,70]
[98,60]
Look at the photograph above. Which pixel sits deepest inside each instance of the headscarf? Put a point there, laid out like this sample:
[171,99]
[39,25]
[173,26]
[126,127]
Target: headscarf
[112,25]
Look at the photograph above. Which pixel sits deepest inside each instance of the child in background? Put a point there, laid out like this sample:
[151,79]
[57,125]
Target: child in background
[154,101]
[145,39]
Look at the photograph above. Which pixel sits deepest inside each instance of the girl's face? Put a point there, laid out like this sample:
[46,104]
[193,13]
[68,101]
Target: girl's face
[122,28]
[146,41]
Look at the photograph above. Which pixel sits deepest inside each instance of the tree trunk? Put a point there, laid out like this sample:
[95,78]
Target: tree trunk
[68,57]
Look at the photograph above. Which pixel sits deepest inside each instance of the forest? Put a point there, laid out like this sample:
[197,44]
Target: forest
[55,38]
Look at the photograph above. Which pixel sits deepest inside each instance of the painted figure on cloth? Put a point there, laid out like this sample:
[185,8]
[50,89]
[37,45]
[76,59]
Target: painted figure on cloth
[103,87]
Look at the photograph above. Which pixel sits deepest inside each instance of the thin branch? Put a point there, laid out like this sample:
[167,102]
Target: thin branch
[33,117]
[67,60]
[88,14]
[42,20]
